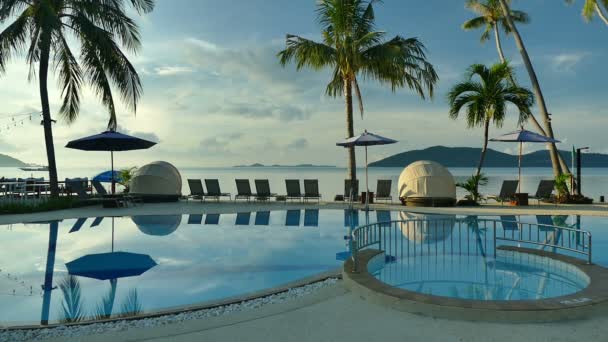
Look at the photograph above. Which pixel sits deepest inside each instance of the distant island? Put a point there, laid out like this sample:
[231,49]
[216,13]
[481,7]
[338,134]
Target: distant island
[469,157]
[8,161]
[276,165]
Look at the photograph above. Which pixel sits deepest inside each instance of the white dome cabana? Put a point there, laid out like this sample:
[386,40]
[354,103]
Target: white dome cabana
[427,183]
[426,228]
[157,225]
[156,182]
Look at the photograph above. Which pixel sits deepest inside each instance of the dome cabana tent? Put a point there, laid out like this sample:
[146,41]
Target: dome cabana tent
[157,182]
[157,225]
[426,228]
[427,184]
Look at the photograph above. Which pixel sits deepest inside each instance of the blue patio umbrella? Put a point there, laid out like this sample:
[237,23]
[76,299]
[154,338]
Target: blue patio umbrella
[113,265]
[366,139]
[521,136]
[107,176]
[110,141]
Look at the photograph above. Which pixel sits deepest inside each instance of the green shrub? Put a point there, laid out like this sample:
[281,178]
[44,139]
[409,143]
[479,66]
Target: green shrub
[25,207]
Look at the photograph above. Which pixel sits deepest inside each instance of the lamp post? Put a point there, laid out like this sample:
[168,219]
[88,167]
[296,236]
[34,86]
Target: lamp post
[578,169]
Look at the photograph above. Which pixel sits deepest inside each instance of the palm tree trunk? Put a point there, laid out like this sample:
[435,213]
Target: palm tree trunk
[486,133]
[350,130]
[600,13]
[499,47]
[540,99]
[46,114]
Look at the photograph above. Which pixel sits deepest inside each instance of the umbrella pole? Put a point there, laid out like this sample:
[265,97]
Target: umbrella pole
[112,234]
[520,152]
[112,161]
[366,182]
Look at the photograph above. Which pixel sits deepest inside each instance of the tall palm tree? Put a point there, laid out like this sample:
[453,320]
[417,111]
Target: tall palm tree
[485,93]
[352,48]
[592,8]
[559,166]
[41,31]
[491,20]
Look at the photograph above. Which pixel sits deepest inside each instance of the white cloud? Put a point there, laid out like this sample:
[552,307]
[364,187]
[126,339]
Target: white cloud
[173,70]
[566,62]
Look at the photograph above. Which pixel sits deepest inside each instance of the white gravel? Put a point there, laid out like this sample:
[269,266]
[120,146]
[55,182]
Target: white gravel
[97,328]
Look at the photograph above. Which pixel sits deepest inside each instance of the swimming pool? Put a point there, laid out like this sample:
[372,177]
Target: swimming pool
[178,260]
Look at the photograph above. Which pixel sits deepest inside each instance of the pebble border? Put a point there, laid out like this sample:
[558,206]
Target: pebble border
[98,328]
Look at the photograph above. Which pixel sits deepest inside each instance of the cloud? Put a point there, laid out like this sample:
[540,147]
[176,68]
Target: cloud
[566,62]
[261,110]
[203,44]
[298,144]
[173,70]
[219,145]
[143,135]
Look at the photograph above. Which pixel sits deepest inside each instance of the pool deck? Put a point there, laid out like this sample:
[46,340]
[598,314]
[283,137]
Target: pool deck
[196,207]
[335,314]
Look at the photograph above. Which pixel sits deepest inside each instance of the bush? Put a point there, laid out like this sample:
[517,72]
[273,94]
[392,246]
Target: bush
[11,208]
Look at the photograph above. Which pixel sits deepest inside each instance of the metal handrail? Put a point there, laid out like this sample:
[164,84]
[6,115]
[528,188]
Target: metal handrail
[546,236]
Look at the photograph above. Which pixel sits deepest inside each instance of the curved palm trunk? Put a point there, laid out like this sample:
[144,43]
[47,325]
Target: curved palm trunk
[540,99]
[350,130]
[486,133]
[499,46]
[46,116]
[601,14]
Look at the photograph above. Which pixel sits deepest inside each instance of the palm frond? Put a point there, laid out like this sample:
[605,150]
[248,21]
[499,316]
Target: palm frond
[72,307]
[307,53]
[131,305]
[13,39]
[69,78]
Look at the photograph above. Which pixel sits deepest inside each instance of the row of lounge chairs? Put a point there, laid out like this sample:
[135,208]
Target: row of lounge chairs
[262,187]
[351,190]
[544,192]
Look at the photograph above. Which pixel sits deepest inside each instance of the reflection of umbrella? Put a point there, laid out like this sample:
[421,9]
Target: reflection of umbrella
[521,136]
[106,266]
[107,176]
[110,141]
[366,139]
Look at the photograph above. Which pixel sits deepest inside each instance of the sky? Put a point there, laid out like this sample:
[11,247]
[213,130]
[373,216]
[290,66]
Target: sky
[215,94]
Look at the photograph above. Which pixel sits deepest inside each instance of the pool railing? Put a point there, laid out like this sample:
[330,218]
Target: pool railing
[413,237]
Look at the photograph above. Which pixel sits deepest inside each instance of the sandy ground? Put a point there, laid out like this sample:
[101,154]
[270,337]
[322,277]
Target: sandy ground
[334,314]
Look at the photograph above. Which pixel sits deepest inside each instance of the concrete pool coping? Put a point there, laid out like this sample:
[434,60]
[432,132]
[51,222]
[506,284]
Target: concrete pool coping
[591,301]
[194,307]
[195,207]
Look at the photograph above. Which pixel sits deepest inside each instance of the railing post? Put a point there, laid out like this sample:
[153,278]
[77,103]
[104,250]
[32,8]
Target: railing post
[590,248]
[379,237]
[494,239]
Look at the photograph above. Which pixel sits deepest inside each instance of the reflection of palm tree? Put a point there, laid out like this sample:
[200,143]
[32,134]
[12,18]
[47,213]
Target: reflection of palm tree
[106,306]
[73,304]
[131,306]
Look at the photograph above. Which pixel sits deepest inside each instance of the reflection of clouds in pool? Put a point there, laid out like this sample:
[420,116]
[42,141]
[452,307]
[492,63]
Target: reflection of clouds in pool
[157,225]
[436,228]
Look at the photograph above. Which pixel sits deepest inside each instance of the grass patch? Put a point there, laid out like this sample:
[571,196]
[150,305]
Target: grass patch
[42,206]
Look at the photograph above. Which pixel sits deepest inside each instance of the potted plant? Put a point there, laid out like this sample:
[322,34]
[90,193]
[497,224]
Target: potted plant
[125,177]
[563,193]
[471,186]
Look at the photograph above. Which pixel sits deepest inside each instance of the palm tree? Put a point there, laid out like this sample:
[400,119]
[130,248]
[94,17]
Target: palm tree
[41,31]
[489,19]
[485,93]
[559,166]
[352,48]
[593,7]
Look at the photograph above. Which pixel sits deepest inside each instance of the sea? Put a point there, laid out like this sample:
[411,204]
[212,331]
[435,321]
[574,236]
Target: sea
[331,179]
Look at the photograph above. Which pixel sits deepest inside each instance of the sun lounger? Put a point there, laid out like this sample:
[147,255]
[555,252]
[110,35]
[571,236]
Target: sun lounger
[195,219]
[351,190]
[262,187]
[292,219]
[293,189]
[262,218]
[214,191]
[383,217]
[311,218]
[509,223]
[311,190]
[507,191]
[243,189]
[545,223]
[196,189]
[212,219]
[545,191]
[242,219]
[383,190]
[121,199]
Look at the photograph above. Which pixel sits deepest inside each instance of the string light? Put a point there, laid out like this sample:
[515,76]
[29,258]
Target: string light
[16,120]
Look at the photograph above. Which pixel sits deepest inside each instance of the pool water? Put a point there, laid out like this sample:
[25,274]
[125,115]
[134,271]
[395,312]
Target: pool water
[177,260]
[508,276]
